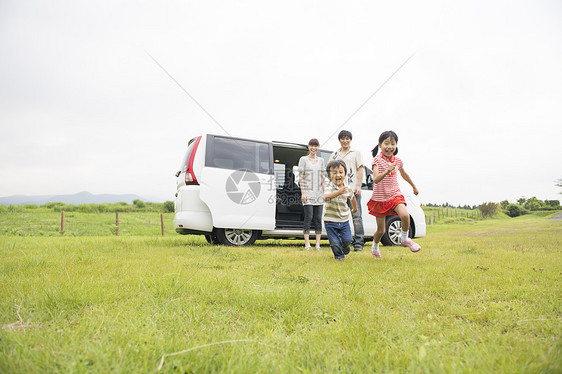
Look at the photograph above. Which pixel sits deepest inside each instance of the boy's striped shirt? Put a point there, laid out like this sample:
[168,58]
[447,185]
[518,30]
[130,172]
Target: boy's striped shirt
[336,208]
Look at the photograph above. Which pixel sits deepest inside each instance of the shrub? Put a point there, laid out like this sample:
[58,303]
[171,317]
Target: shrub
[515,210]
[168,207]
[553,203]
[15,208]
[153,207]
[52,205]
[488,209]
[120,208]
[533,204]
[139,204]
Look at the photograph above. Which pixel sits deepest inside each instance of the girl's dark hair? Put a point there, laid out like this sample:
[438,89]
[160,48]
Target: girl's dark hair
[334,164]
[385,135]
[314,141]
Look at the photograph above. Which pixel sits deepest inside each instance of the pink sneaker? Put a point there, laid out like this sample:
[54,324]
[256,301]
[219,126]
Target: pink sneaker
[376,254]
[414,247]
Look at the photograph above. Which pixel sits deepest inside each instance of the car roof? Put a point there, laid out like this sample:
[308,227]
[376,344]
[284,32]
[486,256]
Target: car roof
[274,142]
[288,145]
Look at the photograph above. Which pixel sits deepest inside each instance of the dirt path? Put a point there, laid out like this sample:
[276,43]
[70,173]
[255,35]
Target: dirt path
[557,216]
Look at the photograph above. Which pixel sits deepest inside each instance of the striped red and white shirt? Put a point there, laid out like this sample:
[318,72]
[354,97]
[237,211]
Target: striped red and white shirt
[388,188]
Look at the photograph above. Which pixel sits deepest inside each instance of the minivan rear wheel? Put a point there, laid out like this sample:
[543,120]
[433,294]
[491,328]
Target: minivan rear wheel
[211,239]
[236,237]
[393,231]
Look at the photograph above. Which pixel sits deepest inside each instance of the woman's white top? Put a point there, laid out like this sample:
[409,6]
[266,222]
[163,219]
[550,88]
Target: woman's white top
[311,181]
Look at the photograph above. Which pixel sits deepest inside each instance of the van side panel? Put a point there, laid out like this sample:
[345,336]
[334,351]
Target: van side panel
[237,183]
[226,213]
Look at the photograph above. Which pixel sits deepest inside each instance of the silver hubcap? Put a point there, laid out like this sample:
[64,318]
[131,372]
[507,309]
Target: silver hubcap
[394,230]
[238,237]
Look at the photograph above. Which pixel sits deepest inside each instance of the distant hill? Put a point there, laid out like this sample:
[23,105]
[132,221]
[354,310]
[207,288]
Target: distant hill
[78,198]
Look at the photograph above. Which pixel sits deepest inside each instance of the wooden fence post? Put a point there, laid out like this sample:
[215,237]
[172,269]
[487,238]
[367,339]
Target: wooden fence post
[116,223]
[162,223]
[62,221]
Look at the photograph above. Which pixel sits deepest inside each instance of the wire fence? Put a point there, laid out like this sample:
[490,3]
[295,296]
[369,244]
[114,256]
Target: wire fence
[48,223]
[44,222]
[435,215]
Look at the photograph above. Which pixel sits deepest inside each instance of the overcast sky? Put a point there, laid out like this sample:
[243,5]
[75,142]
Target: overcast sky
[477,107]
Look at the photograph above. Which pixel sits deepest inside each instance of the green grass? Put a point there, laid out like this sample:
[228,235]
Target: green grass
[481,297]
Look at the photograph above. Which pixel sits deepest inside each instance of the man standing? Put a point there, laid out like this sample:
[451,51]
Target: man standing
[355,171]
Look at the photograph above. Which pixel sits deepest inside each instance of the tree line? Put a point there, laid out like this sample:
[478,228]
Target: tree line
[520,207]
[447,205]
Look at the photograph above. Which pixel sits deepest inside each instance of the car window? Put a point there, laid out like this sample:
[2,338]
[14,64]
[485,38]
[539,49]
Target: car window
[368,180]
[325,155]
[279,171]
[235,154]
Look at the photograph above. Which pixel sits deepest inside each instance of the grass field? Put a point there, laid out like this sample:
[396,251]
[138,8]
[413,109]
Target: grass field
[481,296]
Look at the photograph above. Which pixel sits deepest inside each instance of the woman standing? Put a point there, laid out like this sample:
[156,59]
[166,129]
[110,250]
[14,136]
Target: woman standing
[311,181]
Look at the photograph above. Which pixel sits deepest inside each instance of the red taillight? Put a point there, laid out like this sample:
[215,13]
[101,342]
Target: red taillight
[189,175]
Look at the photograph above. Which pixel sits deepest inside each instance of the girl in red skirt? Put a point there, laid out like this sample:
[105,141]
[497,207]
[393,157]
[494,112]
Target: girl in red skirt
[387,198]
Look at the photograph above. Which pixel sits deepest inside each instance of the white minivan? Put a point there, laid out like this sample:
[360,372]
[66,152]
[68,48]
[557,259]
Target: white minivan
[235,191]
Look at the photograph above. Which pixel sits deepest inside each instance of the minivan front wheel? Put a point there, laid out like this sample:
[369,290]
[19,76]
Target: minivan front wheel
[236,237]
